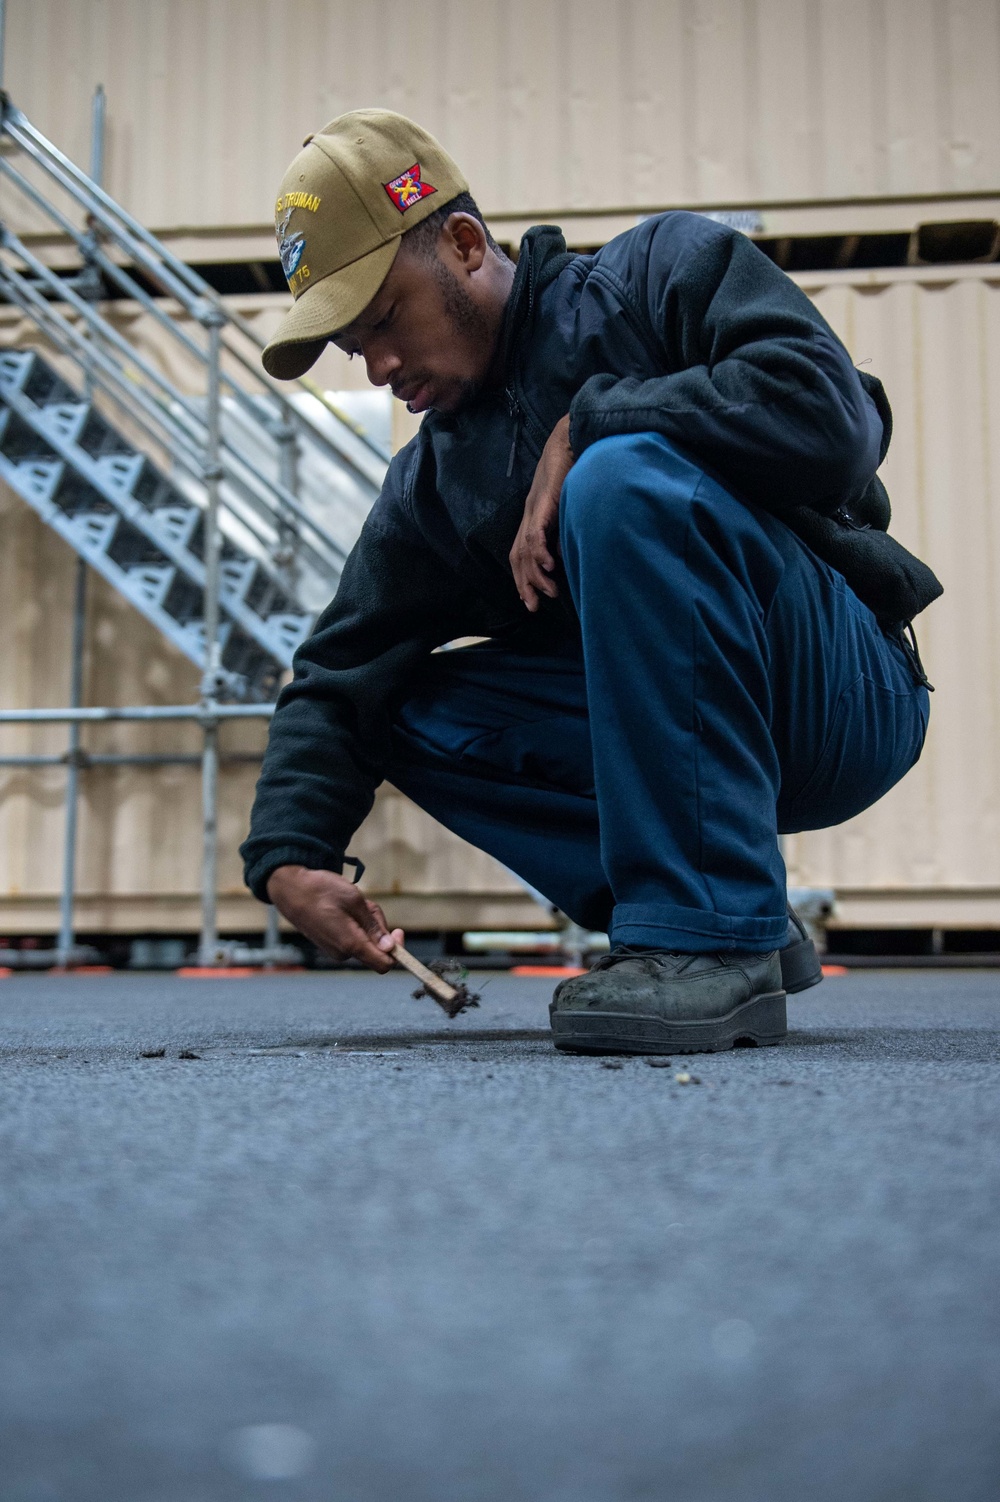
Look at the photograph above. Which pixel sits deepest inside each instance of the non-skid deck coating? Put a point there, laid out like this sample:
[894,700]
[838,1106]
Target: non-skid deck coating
[351,1253]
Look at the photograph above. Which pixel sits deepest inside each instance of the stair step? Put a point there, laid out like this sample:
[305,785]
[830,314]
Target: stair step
[40,477]
[288,631]
[15,365]
[119,471]
[151,580]
[236,575]
[65,420]
[137,528]
[93,530]
[180,525]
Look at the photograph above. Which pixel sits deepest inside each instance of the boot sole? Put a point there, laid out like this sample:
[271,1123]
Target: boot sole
[800,966]
[760,1022]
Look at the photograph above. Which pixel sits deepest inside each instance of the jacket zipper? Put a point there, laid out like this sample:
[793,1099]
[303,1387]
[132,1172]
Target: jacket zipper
[514,408]
[513,405]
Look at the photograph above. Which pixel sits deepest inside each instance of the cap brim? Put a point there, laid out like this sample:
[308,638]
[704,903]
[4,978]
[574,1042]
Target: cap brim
[322,309]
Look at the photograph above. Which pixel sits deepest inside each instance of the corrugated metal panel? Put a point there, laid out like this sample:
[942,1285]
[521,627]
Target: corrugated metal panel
[927,852]
[936,344]
[550,106]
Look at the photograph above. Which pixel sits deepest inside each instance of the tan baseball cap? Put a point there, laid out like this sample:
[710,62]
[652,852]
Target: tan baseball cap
[349,196]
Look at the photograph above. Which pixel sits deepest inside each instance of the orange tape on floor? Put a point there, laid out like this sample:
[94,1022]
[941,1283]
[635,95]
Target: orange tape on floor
[544,970]
[218,972]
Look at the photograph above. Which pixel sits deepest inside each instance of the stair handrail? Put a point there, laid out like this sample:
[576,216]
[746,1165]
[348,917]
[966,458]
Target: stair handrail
[171,435]
[94,320]
[90,248]
[168,271]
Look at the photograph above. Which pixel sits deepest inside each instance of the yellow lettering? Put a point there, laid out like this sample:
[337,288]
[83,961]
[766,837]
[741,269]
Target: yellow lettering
[310,201]
[298,277]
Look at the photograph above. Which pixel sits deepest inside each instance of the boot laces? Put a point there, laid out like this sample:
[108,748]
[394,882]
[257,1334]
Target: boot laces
[628,952]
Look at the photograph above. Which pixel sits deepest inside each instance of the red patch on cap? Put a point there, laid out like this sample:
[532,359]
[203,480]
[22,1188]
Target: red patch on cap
[408,188]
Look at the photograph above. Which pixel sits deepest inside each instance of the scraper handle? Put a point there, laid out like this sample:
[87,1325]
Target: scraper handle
[438,988]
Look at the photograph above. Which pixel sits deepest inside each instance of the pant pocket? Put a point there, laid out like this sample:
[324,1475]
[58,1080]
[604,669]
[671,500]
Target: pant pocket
[876,737]
[554,753]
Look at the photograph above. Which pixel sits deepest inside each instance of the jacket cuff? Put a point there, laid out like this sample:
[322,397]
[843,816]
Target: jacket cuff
[588,422]
[581,425]
[258,873]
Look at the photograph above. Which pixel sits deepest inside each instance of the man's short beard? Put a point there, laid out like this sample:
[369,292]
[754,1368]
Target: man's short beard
[467,319]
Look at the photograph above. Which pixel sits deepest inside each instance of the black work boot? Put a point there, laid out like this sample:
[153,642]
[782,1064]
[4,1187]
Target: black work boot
[648,1001]
[800,966]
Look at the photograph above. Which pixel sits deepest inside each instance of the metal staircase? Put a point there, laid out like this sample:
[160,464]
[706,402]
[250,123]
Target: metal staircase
[118,511]
[191,506]
[221,505]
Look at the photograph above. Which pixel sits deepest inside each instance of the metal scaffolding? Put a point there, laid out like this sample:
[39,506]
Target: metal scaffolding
[224,556]
[209,714]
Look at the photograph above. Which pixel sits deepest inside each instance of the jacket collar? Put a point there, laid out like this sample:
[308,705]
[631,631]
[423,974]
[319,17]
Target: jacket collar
[542,256]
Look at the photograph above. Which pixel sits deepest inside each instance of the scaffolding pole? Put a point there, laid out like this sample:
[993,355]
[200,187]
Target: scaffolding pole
[288,473]
[72,798]
[101,714]
[66,948]
[209,715]
[208,951]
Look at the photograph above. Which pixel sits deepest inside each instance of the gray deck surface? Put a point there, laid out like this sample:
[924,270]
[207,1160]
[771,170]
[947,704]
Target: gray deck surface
[472,1269]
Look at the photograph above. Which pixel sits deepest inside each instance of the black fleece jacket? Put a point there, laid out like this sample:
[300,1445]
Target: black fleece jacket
[680,327]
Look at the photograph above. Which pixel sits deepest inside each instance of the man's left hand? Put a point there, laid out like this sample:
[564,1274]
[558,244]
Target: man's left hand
[537,540]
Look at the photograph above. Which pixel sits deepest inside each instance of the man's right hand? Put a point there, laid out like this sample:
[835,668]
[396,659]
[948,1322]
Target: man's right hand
[330,911]
[532,559]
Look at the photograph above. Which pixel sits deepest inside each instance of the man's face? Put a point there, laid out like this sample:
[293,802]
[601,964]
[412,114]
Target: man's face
[425,332]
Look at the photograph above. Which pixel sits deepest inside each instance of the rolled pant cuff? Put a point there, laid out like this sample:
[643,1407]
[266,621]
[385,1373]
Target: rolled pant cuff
[652,925]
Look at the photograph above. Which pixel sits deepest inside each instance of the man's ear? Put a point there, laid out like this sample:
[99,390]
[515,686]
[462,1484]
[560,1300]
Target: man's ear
[465,239]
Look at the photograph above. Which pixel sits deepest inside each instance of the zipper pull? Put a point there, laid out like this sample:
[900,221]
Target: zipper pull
[844,517]
[515,412]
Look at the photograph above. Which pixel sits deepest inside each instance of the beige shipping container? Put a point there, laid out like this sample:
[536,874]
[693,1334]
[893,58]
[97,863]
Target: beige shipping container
[925,856]
[581,111]
[929,853]
[824,115]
